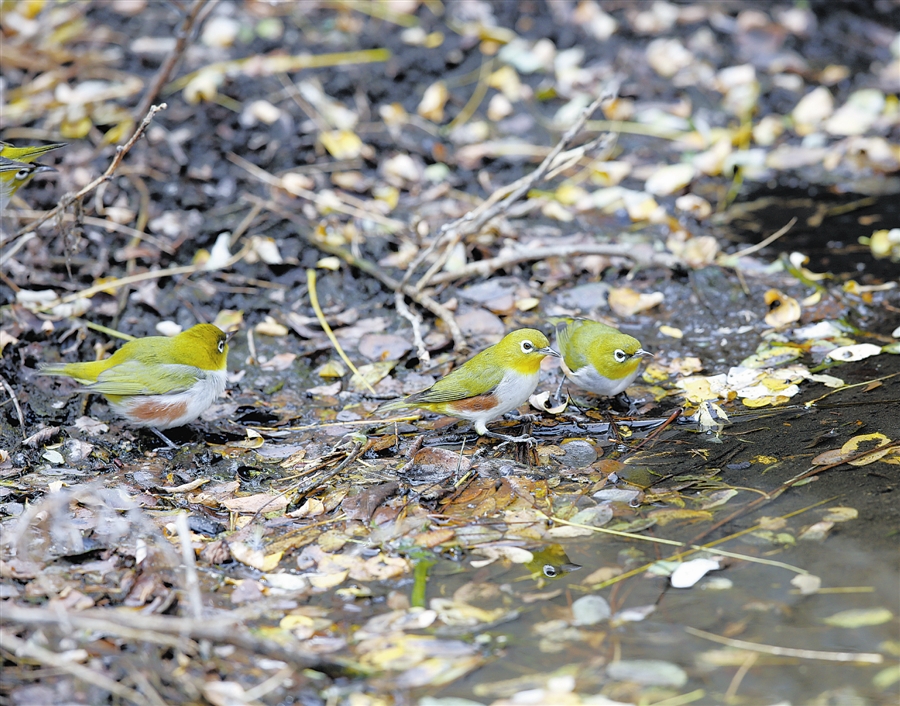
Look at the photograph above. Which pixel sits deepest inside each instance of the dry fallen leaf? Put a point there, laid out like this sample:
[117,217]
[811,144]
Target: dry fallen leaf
[783,310]
[625,301]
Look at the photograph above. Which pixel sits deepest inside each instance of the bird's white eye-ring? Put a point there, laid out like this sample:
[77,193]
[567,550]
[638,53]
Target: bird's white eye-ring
[550,571]
[221,346]
[620,355]
[527,346]
[23,174]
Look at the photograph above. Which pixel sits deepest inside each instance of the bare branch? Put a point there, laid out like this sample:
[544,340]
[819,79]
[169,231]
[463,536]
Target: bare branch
[165,71]
[121,151]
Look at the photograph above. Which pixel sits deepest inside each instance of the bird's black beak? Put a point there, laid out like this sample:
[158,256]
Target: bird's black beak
[548,351]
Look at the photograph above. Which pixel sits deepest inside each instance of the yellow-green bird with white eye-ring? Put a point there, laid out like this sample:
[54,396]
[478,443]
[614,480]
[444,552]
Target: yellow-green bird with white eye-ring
[596,357]
[156,381]
[486,387]
[17,167]
[14,175]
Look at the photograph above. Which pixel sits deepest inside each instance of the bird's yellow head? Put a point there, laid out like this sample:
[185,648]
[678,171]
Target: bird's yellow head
[522,350]
[14,175]
[204,346]
[616,355]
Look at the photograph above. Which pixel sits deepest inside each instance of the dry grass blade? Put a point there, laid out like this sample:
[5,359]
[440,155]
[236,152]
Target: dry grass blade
[392,225]
[314,300]
[864,657]
[675,543]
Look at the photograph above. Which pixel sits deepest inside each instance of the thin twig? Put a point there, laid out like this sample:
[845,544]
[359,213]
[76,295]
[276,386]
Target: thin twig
[739,675]
[763,243]
[483,268]
[865,657]
[416,322]
[191,582]
[121,151]
[324,478]
[8,252]
[29,650]
[15,401]
[225,629]
[140,277]
[473,221]
[165,71]
[320,315]
[688,552]
[87,220]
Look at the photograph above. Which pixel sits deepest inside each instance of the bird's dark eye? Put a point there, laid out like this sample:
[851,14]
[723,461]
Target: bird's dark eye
[221,346]
[550,571]
[527,347]
[620,355]
[22,174]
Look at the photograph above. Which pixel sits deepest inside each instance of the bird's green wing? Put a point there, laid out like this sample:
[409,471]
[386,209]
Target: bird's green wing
[135,378]
[478,376]
[567,339]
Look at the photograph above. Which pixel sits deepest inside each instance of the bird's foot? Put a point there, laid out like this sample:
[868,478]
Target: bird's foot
[524,439]
[522,418]
[624,404]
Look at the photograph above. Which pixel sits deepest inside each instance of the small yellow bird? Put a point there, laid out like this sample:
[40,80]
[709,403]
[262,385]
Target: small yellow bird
[494,382]
[157,382]
[14,175]
[597,357]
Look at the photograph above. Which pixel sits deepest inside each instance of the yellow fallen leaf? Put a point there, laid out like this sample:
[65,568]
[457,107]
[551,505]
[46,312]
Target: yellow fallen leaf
[433,100]
[625,301]
[671,331]
[270,327]
[665,516]
[841,514]
[783,310]
[329,580]
[329,263]
[875,440]
[255,558]
[342,144]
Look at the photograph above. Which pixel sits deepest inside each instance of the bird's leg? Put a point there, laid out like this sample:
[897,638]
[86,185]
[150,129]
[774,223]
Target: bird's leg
[562,381]
[624,404]
[165,439]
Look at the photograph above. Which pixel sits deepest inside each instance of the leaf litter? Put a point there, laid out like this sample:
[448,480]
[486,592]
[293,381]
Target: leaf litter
[308,516]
